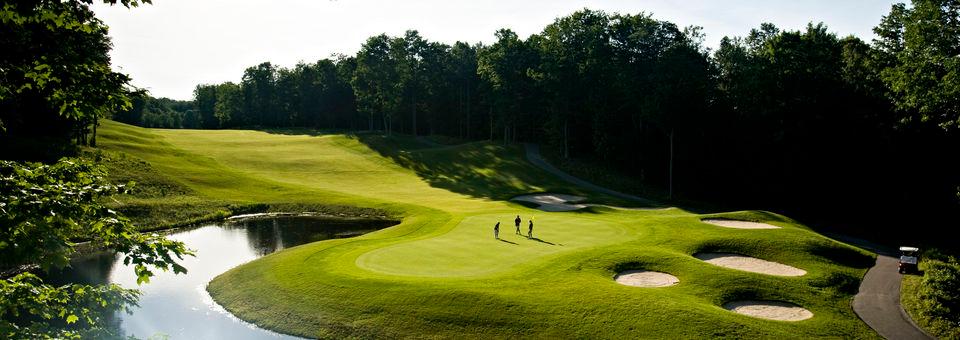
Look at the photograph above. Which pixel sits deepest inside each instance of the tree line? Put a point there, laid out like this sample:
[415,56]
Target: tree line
[787,118]
[780,119]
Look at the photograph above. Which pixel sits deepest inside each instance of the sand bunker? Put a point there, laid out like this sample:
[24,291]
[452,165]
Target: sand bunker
[750,264]
[739,224]
[643,278]
[553,202]
[772,310]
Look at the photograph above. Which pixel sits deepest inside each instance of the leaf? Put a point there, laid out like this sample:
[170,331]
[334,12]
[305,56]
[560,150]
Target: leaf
[72,318]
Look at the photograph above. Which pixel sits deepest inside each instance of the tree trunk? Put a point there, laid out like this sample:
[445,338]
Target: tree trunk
[505,134]
[460,112]
[468,112]
[413,108]
[670,185]
[491,123]
[384,127]
[93,138]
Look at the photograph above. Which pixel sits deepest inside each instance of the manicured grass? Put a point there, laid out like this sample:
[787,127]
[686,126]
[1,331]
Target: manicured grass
[440,273]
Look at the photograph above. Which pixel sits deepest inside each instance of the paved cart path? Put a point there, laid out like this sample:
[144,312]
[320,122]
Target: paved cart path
[533,155]
[878,302]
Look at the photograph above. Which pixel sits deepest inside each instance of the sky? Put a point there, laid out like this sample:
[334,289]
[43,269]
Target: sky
[173,45]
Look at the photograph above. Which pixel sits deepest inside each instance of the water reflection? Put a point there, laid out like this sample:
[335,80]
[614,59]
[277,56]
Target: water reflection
[178,306]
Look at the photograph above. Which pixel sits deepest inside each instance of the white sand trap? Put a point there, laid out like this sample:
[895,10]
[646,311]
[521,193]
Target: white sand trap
[643,278]
[772,310]
[553,202]
[749,264]
[739,224]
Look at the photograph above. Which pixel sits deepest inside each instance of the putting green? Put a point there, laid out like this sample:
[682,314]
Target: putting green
[441,274]
[469,249]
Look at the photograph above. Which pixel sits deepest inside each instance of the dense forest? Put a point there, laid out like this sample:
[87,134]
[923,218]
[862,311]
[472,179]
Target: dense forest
[800,120]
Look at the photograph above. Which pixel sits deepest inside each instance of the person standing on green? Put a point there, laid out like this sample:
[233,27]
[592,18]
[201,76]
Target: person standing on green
[517,222]
[530,229]
[496,230]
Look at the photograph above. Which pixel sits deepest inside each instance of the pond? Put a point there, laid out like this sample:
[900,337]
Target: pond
[178,306]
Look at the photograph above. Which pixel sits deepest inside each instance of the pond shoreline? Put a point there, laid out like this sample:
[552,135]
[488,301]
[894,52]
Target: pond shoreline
[180,305]
[85,248]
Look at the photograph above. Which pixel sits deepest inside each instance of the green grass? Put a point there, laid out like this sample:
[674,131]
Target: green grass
[440,273]
[924,295]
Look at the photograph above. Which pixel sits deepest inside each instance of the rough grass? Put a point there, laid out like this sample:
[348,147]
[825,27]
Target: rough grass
[930,298]
[159,201]
[440,273]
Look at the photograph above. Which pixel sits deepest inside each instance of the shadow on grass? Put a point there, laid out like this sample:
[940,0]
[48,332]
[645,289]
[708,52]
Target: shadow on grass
[480,169]
[541,241]
[505,241]
[298,131]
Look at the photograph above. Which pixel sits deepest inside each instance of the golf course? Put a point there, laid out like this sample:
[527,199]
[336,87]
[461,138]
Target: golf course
[440,273]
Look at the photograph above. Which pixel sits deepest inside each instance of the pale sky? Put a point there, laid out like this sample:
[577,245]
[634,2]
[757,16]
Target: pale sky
[173,45]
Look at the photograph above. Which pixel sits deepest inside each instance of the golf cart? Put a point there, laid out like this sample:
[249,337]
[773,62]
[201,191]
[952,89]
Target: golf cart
[909,256]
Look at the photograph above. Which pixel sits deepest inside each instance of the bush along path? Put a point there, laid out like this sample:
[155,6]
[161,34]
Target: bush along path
[877,302]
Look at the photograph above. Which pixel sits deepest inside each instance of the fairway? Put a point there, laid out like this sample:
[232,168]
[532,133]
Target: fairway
[441,273]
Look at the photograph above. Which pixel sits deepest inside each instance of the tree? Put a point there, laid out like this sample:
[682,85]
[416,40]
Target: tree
[506,67]
[637,43]
[259,94]
[408,54]
[682,82]
[920,49]
[55,76]
[229,105]
[344,105]
[288,97]
[464,65]
[375,80]
[45,209]
[205,99]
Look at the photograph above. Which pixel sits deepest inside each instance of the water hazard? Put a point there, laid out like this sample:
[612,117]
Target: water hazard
[178,306]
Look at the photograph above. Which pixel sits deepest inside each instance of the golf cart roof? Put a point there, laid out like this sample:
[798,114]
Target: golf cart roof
[909,249]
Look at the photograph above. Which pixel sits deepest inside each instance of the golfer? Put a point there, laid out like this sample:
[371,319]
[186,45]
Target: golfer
[530,229]
[496,230]
[517,222]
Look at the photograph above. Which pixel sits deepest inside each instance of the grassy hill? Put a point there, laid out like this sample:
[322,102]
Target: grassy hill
[440,273]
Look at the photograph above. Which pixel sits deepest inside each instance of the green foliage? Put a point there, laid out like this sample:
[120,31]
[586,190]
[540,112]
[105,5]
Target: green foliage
[34,310]
[938,296]
[55,74]
[45,208]
[148,111]
[919,47]
[229,104]
[375,80]
[508,70]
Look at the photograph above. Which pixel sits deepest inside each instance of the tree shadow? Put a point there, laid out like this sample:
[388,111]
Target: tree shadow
[478,169]
[300,131]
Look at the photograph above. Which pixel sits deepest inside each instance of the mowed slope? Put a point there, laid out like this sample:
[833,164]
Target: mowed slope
[440,273]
